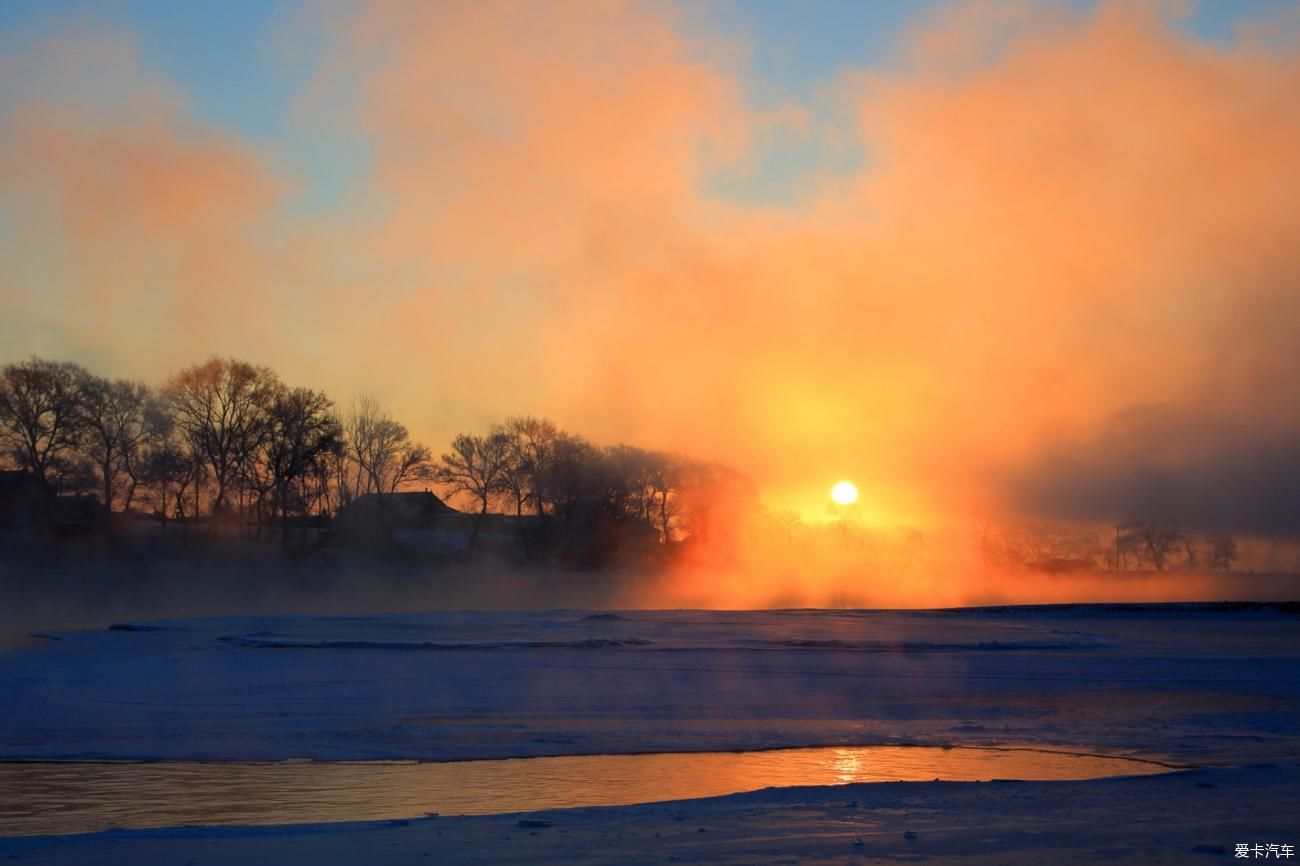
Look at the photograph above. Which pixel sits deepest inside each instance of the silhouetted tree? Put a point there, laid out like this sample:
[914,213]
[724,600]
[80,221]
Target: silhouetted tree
[170,472]
[40,415]
[382,449]
[116,419]
[567,481]
[475,465]
[714,498]
[1150,542]
[647,483]
[222,409]
[1223,553]
[303,430]
[159,432]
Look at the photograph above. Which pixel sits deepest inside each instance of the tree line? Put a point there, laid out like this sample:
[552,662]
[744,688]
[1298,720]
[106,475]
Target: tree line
[589,499]
[226,439]
[1137,545]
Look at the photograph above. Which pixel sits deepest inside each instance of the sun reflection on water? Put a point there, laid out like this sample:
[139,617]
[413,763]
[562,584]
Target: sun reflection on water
[40,798]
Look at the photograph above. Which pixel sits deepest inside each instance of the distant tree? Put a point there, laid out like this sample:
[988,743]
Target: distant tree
[530,453]
[786,520]
[159,432]
[1042,545]
[530,444]
[382,449]
[318,485]
[344,479]
[715,500]
[412,463]
[644,485]
[569,480]
[1223,553]
[40,415]
[475,465]
[623,478]
[663,480]
[592,501]
[115,416]
[223,410]
[170,472]
[1150,542]
[997,546]
[303,430]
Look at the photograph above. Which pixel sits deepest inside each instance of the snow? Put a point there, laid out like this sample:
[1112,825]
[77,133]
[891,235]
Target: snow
[1215,687]
[458,685]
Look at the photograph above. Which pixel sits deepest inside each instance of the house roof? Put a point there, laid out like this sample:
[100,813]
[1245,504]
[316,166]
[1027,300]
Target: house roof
[399,510]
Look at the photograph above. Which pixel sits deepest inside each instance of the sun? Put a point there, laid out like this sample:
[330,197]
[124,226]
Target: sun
[844,493]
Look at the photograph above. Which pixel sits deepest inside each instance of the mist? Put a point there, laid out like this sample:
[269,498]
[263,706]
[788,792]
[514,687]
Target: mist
[1061,220]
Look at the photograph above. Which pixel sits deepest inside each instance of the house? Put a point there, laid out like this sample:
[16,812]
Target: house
[406,519]
[422,523]
[28,504]
[79,516]
[25,501]
[385,512]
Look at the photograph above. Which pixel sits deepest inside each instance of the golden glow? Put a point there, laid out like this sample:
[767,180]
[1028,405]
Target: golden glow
[844,493]
[858,329]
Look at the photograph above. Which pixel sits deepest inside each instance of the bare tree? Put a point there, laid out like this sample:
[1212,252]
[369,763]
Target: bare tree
[644,485]
[715,499]
[303,430]
[664,487]
[168,472]
[1223,553]
[159,432]
[531,453]
[412,463]
[382,449]
[222,408]
[1149,542]
[115,418]
[40,418]
[566,482]
[343,475]
[475,465]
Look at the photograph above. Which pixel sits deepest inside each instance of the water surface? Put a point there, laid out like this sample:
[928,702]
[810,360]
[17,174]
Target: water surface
[66,797]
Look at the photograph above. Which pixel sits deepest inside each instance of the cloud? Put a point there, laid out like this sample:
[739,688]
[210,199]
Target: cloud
[1060,216]
[1175,466]
[134,226]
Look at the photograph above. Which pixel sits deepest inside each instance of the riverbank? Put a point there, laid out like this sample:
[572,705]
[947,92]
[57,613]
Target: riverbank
[1184,817]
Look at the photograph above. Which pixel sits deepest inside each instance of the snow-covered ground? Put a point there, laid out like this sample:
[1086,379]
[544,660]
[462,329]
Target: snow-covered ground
[1194,685]
[1186,682]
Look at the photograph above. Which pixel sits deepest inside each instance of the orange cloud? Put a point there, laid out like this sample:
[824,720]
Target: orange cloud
[135,227]
[1060,216]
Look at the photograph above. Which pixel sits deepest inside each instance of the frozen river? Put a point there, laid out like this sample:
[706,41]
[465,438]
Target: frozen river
[78,797]
[478,715]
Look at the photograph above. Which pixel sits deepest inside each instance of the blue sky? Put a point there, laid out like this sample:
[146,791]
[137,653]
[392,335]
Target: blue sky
[229,60]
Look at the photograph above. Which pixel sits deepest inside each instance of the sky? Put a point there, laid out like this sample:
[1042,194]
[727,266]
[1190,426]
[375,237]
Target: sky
[1005,258]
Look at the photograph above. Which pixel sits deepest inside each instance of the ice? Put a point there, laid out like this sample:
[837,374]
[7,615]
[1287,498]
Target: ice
[1216,686]
[505,684]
